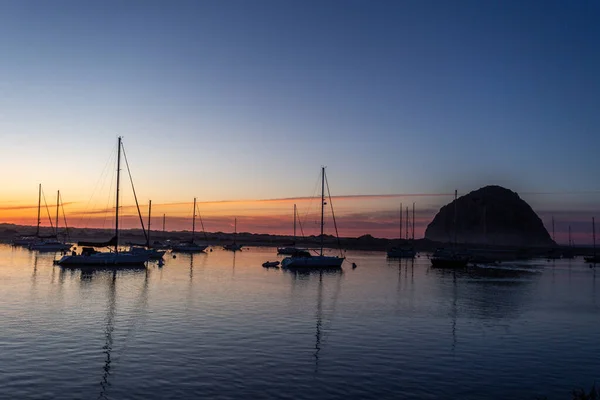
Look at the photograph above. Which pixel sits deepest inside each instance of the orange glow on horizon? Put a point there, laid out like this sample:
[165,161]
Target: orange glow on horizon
[356,215]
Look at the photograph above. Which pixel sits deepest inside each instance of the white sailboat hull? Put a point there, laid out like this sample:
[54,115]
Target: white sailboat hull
[104,259]
[314,262]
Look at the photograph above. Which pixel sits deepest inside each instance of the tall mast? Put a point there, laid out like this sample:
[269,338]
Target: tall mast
[234,229]
[149,219]
[400,221]
[553,238]
[413,223]
[570,243]
[39,221]
[594,235]
[194,220]
[322,204]
[164,224]
[117,200]
[455,211]
[406,222]
[294,224]
[57,201]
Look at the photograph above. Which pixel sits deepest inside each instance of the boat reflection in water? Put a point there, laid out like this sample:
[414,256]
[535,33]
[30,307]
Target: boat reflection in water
[87,275]
[488,292]
[306,275]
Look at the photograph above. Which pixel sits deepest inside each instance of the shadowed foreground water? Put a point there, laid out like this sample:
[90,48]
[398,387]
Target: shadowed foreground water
[221,326]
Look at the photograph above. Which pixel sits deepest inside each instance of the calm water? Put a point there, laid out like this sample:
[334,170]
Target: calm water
[222,326]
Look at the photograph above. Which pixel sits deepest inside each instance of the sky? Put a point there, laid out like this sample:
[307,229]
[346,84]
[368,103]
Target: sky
[240,103]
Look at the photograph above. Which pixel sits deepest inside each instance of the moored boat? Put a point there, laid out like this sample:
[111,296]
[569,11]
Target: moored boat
[303,259]
[399,252]
[593,259]
[444,258]
[50,245]
[153,254]
[24,240]
[270,264]
[290,250]
[115,258]
[233,246]
[449,259]
[191,246]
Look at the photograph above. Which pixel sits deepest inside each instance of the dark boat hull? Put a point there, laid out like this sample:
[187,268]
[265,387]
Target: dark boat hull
[449,262]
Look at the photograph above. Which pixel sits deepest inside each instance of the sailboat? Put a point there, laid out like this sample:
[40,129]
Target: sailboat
[291,250]
[443,258]
[51,243]
[233,246]
[568,252]
[153,254]
[27,240]
[400,252]
[306,260]
[191,246]
[116,258]
[594,259]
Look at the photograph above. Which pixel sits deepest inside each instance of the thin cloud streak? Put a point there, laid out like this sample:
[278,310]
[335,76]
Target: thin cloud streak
[30,206]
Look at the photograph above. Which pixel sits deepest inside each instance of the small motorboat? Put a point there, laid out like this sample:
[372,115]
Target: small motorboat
[271,264]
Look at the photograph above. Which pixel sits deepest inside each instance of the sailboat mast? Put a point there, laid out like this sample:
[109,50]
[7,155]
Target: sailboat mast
[455,212]
[149,219]
[594,235]
[234,229]
[194,220]
[322,204]
[570,236]
[553,238]
[406,222]
[413,232]
[57,201]
[164,215]
[39,221]
[294,224]
[117,200]
[400,221]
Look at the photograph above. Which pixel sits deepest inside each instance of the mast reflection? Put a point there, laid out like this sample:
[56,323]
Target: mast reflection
[304,276]
[107,348]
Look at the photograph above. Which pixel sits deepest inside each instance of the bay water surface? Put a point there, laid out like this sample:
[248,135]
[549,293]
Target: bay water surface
[221,326]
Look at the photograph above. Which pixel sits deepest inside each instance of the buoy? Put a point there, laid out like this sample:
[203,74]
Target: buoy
[354,265]
[174,256]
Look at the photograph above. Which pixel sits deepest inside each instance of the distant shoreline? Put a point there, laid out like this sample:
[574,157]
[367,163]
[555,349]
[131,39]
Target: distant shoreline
[365,242]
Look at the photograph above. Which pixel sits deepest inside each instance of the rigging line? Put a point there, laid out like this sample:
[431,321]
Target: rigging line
[48,211]
[312,198]
[300,224]
[333,216]
[108,200]
[89,209]
[62,206]
[134,195]
[102,177]
[201,223]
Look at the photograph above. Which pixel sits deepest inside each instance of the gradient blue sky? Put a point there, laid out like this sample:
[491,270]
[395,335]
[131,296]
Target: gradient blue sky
[247,99]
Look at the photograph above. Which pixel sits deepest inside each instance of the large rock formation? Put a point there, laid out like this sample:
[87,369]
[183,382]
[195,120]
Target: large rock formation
[490,215]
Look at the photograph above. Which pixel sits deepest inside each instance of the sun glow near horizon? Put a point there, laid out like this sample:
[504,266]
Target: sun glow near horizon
[356,215]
